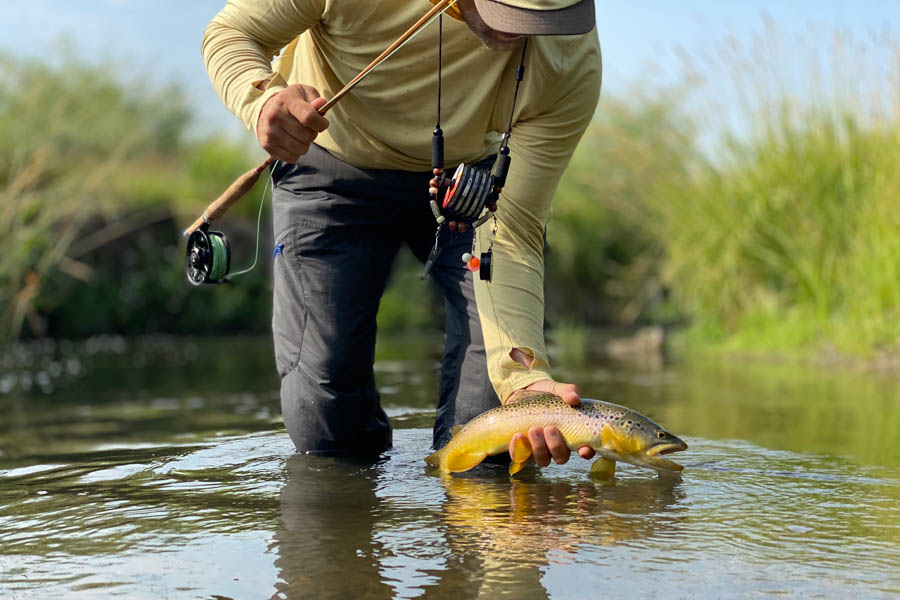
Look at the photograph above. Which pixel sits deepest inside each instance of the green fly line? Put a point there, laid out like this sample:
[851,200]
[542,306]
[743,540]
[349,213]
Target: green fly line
[219,257]
[262,200]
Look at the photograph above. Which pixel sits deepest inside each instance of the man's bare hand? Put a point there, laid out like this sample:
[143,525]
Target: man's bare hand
[547,442]
[567,391]
[290,121]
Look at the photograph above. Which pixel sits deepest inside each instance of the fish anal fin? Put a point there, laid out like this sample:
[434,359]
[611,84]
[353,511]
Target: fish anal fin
[603,469]
[434,460]
[464,461]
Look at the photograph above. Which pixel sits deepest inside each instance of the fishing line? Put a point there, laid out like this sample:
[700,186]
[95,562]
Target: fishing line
[262,201]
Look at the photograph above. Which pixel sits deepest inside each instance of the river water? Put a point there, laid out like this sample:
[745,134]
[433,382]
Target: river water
[158,468]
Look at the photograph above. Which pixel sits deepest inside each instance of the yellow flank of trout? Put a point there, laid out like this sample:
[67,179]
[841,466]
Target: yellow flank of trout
[615,432]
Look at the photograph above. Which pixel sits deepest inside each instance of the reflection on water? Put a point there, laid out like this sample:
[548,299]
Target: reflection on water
[513,530]
[178,481]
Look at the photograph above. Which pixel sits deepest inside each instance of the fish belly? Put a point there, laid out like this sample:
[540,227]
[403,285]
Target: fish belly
[472,445]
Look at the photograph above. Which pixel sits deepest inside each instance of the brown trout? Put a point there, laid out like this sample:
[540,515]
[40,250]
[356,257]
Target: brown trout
[615,432]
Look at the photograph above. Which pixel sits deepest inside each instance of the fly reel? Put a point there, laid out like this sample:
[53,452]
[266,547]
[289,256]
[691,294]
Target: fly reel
[470,191]
[208,256]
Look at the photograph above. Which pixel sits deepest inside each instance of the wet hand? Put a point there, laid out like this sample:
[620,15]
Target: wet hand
[567,391]
[290,121]
[547,443]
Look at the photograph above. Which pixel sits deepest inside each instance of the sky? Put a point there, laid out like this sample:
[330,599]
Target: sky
[641,40]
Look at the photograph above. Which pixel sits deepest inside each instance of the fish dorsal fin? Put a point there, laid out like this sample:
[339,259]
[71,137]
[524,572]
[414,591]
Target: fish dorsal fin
[455,429]
[520,395]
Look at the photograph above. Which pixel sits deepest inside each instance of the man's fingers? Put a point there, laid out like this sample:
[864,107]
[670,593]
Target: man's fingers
[556,445]
[539,446]
[567,391]
[307,114]
[289,122]
[586,452]
[292,128]
[308,93]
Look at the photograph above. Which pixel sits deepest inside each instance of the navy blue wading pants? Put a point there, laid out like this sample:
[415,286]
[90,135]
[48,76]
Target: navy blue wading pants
[340,228]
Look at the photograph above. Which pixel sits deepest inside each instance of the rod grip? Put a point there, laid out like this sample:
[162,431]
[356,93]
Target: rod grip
[235,192]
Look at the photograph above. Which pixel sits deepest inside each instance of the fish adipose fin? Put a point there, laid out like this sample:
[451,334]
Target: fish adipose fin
[463,462]
[603,469]
[521,452]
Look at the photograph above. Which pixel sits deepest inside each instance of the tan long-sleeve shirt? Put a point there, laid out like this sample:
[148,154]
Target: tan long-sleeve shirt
[386,123]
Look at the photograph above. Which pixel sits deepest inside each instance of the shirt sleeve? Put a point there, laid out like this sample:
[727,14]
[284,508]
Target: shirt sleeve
[511,306]
[240,42]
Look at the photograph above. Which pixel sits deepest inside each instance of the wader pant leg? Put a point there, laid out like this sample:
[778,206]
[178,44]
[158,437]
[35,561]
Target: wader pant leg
[341,228]
[465,389]
[338,240]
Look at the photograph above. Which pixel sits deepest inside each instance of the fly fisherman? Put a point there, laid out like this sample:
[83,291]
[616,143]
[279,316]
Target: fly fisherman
[351,189]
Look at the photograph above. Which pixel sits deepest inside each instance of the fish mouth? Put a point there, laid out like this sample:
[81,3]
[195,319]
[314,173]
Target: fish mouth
[668,448]
[654,456]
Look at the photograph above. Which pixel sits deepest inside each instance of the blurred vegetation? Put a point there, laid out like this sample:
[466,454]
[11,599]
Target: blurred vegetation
[771,228]
[782,236]
[97,181]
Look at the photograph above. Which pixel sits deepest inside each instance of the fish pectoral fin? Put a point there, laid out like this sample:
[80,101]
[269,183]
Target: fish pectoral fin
[515,467]
[464,461]
[521,449]
[520,454]
[603,469]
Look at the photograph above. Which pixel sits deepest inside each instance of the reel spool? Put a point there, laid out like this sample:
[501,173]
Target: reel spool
[208,256]
[471,191]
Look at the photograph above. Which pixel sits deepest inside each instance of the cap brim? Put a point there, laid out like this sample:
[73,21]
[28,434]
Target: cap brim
[574,20]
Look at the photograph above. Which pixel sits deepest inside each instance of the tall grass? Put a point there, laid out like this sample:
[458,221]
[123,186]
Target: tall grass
[789,237]
[765,213]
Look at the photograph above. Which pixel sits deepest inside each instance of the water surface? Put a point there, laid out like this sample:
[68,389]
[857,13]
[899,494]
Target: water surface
[158,468]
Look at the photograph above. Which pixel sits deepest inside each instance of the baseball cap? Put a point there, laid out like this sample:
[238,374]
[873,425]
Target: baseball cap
[538,17]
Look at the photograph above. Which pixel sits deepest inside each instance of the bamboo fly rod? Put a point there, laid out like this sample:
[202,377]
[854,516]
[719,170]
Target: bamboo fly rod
[242,184]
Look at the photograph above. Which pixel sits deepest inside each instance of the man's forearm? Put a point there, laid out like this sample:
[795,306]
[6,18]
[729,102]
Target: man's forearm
[238,46]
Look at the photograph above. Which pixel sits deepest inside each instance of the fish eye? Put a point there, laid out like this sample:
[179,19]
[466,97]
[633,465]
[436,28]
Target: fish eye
[661,434]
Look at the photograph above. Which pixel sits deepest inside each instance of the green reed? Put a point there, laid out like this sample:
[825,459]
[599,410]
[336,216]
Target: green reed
[788,238]
[761,207]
